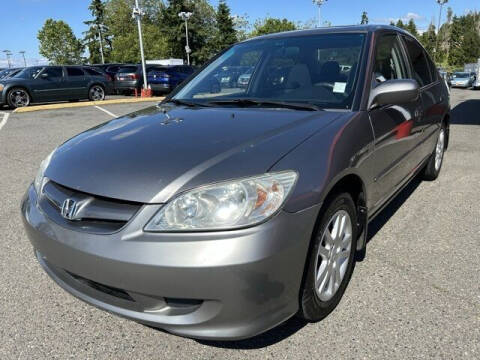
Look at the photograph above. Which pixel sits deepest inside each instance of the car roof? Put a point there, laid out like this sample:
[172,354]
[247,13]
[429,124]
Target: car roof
[333,30]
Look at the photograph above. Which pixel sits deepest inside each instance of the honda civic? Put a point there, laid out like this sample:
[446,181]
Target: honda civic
[223,211]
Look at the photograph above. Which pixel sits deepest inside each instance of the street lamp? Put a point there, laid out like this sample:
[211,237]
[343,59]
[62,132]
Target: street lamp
[7,54]
[185,16]
[24,60]
[137,14]
[441,3]
[319,3]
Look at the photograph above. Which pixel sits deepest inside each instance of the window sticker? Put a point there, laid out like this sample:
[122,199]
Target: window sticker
[339,87]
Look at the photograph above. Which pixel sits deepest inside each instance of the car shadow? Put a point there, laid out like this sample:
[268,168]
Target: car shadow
[384,216]
[273,336]
[466,113]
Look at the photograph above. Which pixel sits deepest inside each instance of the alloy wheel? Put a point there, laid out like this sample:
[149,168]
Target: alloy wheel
[333,255]
[19,98]
[97,93]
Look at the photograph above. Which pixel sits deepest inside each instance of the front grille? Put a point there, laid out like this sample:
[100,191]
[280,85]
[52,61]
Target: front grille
[94,214]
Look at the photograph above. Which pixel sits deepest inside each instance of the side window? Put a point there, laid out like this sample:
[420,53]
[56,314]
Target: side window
[53,72]
[389,62]
[433,69]
[73,71]
[92,72]
[418,59]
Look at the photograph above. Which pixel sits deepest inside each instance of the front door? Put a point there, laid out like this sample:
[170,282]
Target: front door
[48,83]
[395,126]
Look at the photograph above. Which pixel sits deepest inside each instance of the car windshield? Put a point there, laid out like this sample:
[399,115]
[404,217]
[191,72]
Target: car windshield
[29,73]
[316,69]
[461,75]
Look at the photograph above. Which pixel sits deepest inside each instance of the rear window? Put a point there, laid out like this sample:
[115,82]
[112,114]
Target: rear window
[127,69]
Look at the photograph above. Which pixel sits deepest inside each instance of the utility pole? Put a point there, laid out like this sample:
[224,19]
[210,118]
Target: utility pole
[319,3]
[7,54]
[137,14]
[441,3]
[101,43]
[24,60]
[185,16]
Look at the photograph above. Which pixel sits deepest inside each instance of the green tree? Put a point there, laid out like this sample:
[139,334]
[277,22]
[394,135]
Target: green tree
[58,43]
[411,27]
[429,40]
[364,18]
[124,33]
[400,24]
[97,38]
[226,34]
[272,25]
[464,39]
[201,29]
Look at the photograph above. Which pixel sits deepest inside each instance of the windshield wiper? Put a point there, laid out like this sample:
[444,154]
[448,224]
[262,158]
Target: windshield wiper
[268,103]
[186,103]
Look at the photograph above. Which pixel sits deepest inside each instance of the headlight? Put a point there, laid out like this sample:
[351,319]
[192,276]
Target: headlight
[225,205]
[38,182]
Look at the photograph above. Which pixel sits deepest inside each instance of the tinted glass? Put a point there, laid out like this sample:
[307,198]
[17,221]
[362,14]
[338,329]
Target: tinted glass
[389,62]
[92,72]
[73,71]
[53,72]
[29,73]
[421,71]
[318,69]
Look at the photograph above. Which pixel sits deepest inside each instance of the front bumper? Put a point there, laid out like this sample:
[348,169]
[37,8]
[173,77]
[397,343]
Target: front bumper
[461,85]
[212,285]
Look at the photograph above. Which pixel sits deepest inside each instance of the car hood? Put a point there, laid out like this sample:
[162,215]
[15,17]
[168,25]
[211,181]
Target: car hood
[151,155]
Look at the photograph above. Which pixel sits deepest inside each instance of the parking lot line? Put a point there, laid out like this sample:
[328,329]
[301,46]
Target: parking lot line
[4,119]
[87,103]
[106,111]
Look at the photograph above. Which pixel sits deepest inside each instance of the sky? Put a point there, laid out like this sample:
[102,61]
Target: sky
[22,19]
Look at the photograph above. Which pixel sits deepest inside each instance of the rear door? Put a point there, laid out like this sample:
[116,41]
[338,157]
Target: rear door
[76,83]
[394,125]
[48,84]
[432,97]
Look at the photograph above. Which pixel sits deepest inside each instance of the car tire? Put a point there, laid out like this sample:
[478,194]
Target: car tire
[18,97]
[434,164]
[323,286]
[96,93]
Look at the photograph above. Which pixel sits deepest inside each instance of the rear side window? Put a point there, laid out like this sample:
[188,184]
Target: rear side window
[71,71]
[93,72]
[389,61]
[418,59]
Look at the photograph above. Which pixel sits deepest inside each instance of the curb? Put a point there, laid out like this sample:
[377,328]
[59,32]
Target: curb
[86,103]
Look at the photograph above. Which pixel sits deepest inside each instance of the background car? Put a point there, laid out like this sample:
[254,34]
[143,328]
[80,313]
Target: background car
[462,79]
[244,79]
[167,78]
[54,83]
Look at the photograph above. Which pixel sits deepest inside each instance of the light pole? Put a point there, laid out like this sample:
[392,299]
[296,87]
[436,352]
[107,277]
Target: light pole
[101,43]
[7,54]
[441,3]
[319,3]
[185,16]
[137,14]
[24,60]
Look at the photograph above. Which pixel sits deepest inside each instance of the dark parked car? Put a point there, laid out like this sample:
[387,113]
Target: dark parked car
[128,78]
[166,78]
[220,213]
[54,83]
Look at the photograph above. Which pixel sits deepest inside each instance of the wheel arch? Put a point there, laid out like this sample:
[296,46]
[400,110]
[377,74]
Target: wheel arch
[352,183]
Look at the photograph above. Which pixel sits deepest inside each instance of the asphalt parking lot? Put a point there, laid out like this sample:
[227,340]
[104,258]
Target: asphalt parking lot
[416,295]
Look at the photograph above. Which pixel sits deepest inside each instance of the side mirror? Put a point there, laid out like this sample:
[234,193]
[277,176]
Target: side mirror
[394,92]
[44,75]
